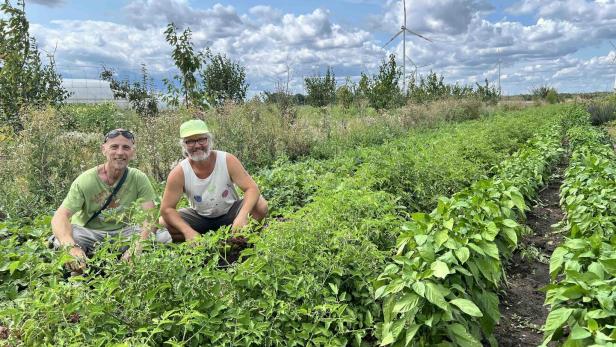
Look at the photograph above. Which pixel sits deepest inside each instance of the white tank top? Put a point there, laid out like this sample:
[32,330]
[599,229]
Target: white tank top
[213,196]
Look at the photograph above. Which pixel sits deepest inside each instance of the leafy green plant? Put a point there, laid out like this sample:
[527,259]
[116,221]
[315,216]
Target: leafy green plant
[321,90]
[224,81]
[140,94]
[382,90]
[24,80]
[581,295]
[441,286]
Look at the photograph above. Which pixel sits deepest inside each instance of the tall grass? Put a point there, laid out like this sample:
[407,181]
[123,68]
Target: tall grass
[39,163]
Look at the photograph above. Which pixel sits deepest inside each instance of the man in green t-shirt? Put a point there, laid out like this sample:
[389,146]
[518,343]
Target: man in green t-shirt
[78,224]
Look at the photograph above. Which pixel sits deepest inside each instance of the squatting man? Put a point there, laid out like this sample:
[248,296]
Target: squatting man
[78,223]
[208,179]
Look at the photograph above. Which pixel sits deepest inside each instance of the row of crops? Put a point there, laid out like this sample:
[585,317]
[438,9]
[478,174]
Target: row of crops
[349,261]
[582,294]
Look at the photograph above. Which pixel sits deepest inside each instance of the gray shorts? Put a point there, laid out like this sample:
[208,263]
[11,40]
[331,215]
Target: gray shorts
[87,239]
[204,224]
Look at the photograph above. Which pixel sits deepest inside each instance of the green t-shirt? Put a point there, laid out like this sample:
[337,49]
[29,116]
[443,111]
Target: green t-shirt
[88,193]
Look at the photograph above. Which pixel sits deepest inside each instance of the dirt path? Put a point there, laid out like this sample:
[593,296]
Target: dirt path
[521,306]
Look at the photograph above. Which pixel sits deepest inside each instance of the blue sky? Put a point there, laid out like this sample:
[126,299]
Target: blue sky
[564,44]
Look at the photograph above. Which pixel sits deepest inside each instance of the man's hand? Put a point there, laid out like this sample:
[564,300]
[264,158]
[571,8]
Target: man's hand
[191,235]
[239,222]
[79,264]
[133,250]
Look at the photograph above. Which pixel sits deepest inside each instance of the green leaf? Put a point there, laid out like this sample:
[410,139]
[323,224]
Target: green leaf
[490,250]
[334,288]
[556,260]
[461,337]
[448,224]
[440,269]
[467,307]
[557,318]
[406,303]
[490,232]
[518,200]
[463,254]
[579,333]
[410,332]
[510,223]
[441,237]
[434,296]
[511,235]
[609,265]
[419,288]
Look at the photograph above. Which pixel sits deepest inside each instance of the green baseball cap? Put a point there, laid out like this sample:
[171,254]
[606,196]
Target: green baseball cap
[193,127]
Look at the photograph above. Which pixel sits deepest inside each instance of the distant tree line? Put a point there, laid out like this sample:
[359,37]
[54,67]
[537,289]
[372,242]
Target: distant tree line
[204,80]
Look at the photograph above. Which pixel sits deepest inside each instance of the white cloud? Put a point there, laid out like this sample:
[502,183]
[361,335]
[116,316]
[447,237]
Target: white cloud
[50,3]
[268,42]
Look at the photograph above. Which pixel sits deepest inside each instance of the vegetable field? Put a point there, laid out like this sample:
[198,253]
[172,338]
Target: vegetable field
[403,243]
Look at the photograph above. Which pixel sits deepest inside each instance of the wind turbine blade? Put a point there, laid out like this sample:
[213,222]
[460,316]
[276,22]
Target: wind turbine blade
[411,61]
[416,34]
[399,32]
[404,7]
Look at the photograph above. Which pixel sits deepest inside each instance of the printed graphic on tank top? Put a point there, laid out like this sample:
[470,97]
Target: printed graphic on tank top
[211,197]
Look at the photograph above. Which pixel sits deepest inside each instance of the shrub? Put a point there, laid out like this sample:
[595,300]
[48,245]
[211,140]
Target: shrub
[602,111]
[321,90]
[42,162]
[96,118]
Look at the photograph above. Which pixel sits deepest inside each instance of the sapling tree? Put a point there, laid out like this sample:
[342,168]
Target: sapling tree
[139,94]
[24,79]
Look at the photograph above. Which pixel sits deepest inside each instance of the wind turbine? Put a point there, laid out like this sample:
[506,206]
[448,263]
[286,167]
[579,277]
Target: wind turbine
[613,62]
[403,31]
[416,67]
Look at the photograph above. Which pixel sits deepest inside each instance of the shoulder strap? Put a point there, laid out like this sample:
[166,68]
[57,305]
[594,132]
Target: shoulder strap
[108,201]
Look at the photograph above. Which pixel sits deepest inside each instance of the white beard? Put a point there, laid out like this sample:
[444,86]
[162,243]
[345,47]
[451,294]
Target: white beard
[201,156]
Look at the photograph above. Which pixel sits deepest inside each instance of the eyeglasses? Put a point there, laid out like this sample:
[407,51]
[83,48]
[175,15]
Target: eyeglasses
[201,141]
[117,132]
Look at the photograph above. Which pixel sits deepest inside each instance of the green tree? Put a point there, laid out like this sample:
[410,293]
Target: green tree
[24,79]
[188,62]
[383,90]
[321,90]
[224,80]
[139,94]
[345,94]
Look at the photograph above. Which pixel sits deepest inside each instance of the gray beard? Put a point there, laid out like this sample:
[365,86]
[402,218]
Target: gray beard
[200,157]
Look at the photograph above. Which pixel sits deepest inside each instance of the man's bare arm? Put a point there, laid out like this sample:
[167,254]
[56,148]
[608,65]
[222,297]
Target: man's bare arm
[172,195]
[242,179]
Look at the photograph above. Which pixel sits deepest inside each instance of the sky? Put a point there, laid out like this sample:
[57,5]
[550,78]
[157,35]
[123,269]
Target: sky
[564,44]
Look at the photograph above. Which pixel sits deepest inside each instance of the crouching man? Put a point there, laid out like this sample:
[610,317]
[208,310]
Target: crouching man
[78,223]
[208,179]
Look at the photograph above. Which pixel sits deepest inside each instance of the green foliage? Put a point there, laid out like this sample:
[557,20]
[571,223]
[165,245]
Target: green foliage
[321,90]
[583,269]
[139,94]
[382,90]
[96,118]
[545,93]
[441,287]
[42,162]
[224,81]
[306,279]
[189,63]
[24,80]
[602,111]
[345,94]
[432,87]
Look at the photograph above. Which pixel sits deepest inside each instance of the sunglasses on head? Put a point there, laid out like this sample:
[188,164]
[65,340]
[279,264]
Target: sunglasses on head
[117,132]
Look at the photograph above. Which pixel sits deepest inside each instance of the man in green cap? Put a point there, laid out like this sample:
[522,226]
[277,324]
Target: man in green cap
[78,223]
[208,179]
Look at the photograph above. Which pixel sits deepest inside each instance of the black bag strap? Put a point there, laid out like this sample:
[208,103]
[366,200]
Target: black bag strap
[108,201]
